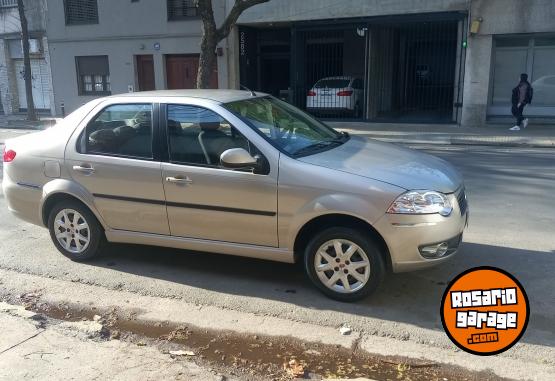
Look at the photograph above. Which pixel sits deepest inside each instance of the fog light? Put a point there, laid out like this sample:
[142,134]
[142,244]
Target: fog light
[435,251]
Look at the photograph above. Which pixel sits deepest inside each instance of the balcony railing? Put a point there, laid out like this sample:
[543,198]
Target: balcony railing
[8,3]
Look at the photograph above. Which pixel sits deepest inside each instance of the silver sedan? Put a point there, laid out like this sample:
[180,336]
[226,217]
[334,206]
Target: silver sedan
[239,173]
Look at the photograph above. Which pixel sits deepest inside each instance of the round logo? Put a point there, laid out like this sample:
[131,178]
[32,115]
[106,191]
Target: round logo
[485,311]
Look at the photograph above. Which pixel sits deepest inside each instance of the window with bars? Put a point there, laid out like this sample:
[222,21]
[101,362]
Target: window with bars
[93,75]
[79,12]
[181,9]
[8,3]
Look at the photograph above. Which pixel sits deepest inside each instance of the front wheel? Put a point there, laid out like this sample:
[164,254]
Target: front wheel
[75,231]
[344,264]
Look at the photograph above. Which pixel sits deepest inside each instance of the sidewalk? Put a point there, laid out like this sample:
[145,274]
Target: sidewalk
[35,347]
[537,136]
[491,135]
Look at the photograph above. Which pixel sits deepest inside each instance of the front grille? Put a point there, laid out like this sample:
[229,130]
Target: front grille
[463,203]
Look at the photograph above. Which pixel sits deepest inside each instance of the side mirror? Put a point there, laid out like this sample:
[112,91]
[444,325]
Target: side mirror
[237,158]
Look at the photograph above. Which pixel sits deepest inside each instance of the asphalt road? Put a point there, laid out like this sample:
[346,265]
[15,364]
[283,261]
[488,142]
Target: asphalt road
[512,226]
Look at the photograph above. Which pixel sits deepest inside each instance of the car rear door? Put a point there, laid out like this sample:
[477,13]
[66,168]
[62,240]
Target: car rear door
[207,201]
[114,156]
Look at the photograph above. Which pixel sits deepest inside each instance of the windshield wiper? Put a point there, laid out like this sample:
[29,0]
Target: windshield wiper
[318,146]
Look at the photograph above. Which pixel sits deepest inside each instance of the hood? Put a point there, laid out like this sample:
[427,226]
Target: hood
[389,163]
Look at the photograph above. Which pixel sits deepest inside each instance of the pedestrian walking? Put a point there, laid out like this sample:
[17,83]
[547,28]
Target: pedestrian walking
[522,96]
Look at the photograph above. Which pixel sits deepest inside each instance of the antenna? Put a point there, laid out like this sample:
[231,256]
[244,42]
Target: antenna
[246,88]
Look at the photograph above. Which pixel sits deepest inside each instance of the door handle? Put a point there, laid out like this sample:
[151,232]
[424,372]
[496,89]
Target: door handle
[179,180]
[87,169]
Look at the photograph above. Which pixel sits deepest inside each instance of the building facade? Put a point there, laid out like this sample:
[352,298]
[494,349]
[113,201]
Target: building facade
[12,83]
[102,47]
[427,61]
[447,61]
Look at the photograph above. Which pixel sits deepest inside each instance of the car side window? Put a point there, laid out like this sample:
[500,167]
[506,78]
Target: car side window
[199,136]
[120,130]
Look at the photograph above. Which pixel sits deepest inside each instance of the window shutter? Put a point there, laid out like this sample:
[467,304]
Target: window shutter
[81,12]
[181,9]
[93,65]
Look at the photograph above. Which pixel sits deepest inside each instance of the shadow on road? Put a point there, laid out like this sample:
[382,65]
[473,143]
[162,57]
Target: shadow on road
[412,298]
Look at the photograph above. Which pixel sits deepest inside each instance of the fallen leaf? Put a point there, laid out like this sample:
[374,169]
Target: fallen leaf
[294,368]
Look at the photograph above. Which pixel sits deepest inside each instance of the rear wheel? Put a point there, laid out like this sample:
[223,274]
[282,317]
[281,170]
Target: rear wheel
[344,264]
[75,231]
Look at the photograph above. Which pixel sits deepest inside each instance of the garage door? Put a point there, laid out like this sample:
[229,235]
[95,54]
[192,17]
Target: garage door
[41,84]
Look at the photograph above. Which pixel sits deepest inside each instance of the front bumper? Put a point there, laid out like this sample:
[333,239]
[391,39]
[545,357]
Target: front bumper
[406,234]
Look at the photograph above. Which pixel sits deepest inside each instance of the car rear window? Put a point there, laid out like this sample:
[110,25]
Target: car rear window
[332,83]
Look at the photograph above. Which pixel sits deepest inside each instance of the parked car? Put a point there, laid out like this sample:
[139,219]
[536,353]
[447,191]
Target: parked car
[236,173]
[336,95]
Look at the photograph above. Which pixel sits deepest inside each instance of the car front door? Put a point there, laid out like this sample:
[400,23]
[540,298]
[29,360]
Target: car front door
[113,158]
[207,201]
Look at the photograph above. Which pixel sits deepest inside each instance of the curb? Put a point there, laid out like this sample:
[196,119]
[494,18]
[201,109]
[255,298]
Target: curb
[436,348]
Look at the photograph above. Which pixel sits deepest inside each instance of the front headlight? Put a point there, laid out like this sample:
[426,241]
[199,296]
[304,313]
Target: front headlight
[421,202]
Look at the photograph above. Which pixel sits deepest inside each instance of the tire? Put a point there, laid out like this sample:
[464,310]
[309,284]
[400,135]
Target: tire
[364,250]
[93,235]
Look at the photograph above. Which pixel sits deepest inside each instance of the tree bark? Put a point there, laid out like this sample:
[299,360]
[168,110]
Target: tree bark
[212,35]
[27,75]
[208,44]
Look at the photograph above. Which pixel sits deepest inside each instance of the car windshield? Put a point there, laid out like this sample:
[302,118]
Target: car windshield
[286,127]
[334,83]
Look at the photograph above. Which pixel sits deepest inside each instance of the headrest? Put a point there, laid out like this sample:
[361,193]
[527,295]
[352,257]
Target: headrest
[209,126]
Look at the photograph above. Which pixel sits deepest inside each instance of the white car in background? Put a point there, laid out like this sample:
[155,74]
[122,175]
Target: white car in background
[336,95]
[544,90]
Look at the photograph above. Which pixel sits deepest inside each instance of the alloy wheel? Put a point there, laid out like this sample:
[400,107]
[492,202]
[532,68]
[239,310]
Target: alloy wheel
[72,231]
[342,266]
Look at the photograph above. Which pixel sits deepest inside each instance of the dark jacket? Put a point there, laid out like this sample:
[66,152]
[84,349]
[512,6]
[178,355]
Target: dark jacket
[529,94]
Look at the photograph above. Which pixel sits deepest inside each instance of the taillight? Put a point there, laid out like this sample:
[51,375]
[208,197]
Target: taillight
[8,155]
[345,93]
[311,93]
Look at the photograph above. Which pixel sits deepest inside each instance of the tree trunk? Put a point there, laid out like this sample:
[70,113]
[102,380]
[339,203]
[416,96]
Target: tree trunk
[212,35]
[31,114]
[207,59]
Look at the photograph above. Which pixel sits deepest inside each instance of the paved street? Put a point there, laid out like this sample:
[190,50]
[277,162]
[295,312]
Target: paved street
[512,201]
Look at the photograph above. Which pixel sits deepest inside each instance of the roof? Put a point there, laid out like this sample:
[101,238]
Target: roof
[222,96]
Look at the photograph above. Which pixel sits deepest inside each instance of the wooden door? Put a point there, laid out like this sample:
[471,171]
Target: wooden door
[145,72]
[181,72]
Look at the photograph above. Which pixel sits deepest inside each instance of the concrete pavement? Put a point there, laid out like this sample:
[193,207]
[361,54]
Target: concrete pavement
[512,201]
[33,347]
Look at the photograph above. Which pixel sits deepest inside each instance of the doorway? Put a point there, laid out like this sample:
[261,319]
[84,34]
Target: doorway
[181,72]
[145,72]
[411,72]
[388,69]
